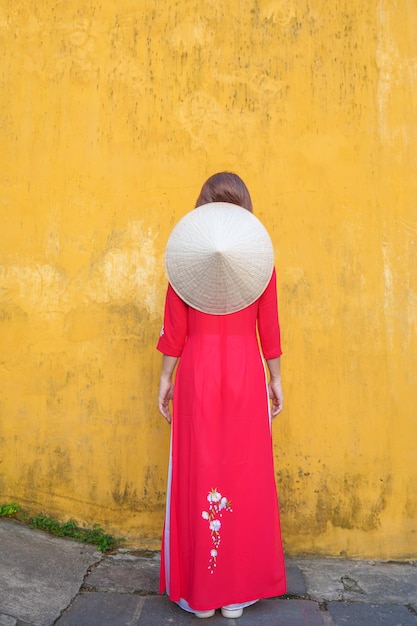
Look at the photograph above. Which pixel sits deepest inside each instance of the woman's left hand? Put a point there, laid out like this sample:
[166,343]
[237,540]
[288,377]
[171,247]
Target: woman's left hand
[166,393]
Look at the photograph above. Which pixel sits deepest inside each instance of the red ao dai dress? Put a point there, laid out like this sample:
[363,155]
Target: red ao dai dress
[222,539]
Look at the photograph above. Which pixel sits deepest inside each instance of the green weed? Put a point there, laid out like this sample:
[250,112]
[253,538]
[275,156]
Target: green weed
[8,510]
[94,535]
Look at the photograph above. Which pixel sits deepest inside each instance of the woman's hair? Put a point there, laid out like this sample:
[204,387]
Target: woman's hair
[225,187]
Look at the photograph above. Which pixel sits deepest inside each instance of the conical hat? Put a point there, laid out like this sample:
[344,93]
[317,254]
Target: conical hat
[219,258]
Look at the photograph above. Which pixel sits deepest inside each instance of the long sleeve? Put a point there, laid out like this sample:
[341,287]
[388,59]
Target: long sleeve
[174,330]
[268,321]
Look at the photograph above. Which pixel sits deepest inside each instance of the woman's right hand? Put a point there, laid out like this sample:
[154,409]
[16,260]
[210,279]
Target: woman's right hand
[275,386]
[276,395]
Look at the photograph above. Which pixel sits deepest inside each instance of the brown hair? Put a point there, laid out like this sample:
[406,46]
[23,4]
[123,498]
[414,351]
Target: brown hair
[225,187]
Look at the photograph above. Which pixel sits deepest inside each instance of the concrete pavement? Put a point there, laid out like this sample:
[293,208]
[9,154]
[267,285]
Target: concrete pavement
[47,581]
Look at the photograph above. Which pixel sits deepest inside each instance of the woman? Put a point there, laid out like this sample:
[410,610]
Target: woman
[222,540]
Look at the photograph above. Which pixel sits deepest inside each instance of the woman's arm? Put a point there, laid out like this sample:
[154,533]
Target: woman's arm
[171,343]
[275,386]
[166,386]
[270,336]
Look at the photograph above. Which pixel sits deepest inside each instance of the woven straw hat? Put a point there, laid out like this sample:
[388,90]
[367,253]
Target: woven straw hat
[219,258]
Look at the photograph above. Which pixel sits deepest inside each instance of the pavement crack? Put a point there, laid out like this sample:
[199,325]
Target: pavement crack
[137,613]
[349,584]
[411,609]
[115,589]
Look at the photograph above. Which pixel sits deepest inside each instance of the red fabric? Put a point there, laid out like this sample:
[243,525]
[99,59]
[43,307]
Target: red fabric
[224,548]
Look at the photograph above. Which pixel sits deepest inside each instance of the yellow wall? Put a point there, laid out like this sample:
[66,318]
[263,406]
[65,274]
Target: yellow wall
[112,114]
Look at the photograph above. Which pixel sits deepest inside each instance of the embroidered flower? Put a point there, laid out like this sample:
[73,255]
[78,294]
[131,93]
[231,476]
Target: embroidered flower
[162,331]
[218,505]
[214,496]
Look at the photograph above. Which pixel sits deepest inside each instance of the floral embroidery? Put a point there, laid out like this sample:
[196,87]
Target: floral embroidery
[218,504]
[162,331]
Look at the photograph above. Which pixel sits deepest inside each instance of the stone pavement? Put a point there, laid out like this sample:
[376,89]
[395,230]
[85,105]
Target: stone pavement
[47,581]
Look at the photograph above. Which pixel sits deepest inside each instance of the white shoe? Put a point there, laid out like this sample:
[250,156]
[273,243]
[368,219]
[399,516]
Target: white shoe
[232,613]
[204,614]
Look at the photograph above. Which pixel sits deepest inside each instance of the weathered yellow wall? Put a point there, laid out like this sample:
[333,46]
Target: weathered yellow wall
[111,117]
